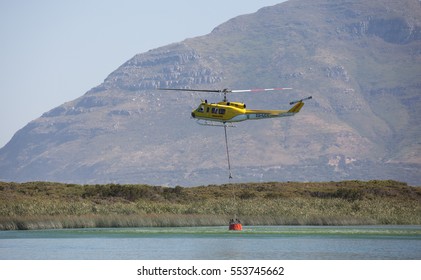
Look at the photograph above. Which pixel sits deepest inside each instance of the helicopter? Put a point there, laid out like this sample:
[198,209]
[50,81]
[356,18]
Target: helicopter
[226,112]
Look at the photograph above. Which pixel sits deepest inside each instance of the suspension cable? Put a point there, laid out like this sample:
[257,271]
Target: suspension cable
[230,176]
[228,154]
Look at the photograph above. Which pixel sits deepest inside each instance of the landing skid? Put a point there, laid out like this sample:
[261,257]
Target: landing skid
[213,123]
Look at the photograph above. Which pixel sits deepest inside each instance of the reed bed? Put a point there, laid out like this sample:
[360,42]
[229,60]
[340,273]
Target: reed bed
[45,205]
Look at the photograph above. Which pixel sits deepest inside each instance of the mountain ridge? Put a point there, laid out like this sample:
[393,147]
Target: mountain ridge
[360,62]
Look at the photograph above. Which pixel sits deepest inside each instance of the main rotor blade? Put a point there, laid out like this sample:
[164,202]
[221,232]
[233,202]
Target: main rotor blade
[201,90]
[258,89]
[226,90]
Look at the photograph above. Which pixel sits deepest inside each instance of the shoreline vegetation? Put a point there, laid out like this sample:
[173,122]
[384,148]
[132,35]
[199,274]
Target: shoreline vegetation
[49,205]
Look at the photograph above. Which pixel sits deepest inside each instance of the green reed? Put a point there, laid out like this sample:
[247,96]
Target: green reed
[40,205]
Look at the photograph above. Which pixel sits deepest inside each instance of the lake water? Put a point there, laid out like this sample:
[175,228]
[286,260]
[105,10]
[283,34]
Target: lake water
[215,243]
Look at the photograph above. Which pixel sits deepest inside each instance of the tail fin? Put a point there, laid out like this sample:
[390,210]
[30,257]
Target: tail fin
[297,107]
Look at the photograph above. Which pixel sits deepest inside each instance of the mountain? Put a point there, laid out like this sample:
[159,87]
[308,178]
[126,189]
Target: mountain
[360,60]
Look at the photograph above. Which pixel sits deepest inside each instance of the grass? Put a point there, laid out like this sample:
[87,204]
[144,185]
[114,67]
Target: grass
[42,205]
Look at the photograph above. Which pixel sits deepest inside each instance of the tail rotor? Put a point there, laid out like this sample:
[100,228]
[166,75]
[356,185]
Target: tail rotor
[301,100]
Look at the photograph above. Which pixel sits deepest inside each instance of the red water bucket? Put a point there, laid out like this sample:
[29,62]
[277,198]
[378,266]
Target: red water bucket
[235,226]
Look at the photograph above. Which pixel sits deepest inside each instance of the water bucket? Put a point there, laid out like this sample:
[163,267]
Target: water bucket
[235,226]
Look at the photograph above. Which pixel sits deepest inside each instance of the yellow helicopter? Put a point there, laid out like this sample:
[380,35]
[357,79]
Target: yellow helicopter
[226,112]
[213,114]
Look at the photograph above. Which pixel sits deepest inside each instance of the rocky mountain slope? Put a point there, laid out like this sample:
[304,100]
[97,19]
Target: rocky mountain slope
[360,60]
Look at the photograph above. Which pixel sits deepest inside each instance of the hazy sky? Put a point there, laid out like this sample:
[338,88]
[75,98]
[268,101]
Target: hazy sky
[55,51]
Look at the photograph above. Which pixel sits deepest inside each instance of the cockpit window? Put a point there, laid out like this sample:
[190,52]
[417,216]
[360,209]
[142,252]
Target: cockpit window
[219,111]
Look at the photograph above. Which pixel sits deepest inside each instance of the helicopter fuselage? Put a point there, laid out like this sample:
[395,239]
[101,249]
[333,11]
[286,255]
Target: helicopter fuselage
[227,112]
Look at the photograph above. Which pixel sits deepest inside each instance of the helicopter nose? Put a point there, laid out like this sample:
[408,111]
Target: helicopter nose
[193,115]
